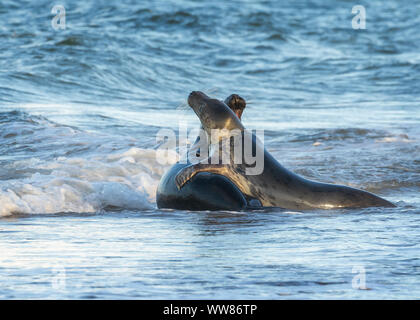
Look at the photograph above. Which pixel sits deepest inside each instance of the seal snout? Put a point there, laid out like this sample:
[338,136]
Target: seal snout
[195,97]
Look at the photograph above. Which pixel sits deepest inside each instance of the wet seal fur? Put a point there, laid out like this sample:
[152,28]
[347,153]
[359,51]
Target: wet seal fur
[205,191]
[275,186]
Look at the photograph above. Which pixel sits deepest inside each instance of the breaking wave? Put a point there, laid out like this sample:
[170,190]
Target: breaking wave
[63,169]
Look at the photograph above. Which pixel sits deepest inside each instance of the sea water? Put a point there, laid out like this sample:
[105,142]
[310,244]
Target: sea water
[82,101]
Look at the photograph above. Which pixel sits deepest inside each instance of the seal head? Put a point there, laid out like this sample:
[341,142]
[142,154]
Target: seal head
[213,114]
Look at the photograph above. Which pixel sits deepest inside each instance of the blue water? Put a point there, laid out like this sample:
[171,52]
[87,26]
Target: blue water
[80,109]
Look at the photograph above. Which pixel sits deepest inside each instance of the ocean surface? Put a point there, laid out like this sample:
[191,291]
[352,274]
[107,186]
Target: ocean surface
[80,109]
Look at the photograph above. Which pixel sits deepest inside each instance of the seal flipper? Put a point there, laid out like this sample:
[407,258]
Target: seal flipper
[204,191]
[186,173]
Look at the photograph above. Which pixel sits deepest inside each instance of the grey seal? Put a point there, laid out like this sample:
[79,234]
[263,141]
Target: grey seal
[205,191]
[275,186]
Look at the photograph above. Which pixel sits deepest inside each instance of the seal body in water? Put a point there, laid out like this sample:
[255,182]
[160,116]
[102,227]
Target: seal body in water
[205,191]
[274,186]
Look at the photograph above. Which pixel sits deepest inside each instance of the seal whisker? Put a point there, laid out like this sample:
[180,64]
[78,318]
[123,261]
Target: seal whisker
[212,90]
[183,105]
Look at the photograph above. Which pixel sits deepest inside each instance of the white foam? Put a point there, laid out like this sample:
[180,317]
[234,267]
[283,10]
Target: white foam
[126,180]
[401,138]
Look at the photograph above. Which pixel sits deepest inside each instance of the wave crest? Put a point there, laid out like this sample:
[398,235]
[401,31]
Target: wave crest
[126,180]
